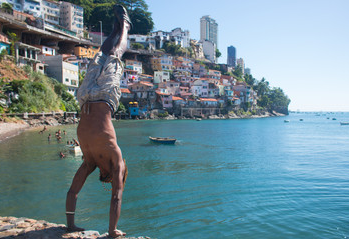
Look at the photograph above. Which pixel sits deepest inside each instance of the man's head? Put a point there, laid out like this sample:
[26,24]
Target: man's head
[108,178]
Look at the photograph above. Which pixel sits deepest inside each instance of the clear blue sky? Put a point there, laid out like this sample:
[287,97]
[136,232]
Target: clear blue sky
[301,46]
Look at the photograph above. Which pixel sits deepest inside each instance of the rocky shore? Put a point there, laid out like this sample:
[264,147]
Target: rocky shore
[230,115]
[23,228]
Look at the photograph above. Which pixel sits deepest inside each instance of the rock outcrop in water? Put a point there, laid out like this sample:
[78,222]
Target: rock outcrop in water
[23,228]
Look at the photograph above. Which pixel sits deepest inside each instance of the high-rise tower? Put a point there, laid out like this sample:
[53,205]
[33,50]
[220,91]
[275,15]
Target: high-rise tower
[208,30]
[231,56]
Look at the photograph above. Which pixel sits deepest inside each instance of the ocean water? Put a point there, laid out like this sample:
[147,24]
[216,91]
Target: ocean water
[243,178]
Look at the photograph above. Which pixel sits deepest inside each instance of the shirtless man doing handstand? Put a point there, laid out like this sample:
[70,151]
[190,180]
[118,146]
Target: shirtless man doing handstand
[99,97]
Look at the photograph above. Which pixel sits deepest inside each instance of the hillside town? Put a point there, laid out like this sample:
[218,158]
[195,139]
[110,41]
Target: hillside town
[50,37]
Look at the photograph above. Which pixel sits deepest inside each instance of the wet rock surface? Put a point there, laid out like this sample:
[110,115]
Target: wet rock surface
[23,228]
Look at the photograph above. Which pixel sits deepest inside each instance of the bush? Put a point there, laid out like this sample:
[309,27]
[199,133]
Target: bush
[122,108]
[137,46]
[3,54]
[163,115]
[27,69]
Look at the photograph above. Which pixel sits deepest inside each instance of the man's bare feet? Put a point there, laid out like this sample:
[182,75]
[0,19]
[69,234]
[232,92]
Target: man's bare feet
[121,14]
[75,229]
[117,233]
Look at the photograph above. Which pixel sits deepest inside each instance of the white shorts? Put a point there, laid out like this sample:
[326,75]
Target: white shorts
[102,81]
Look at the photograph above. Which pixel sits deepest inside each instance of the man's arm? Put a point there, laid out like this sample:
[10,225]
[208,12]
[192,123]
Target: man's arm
[77,183]
[116,197]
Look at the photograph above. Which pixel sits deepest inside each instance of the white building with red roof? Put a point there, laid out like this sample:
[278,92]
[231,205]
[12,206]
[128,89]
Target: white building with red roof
[209,102]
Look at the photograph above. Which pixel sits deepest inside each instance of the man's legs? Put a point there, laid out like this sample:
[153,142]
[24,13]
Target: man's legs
[116,42]
[82,173]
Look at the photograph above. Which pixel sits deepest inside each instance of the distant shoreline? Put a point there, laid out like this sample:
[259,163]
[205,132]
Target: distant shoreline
[9,130]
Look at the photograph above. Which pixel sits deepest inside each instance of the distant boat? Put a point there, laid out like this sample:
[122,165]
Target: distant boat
[333,118]
[300,119]
[344,123]
[286,121]
[198,119]
[161,140]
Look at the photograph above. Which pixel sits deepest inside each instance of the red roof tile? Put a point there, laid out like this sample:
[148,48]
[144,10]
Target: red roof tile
[146,83]
[159,93]
[124,90]
[208,99]
[176,98]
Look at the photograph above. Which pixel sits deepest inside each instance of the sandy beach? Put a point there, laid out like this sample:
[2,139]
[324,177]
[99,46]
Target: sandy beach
[8,130]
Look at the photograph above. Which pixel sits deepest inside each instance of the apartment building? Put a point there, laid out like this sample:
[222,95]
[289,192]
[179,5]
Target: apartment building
[71,17]
[231,56]
[176,36]
[161,76]
[181,37]
[134,65]
[240,63]
[208,30]
[209,49]
[162,63]
[32,7]
[64,72]
[51,12]
[83,51]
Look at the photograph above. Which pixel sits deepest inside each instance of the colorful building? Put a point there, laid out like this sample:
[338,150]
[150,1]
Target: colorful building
[83,51]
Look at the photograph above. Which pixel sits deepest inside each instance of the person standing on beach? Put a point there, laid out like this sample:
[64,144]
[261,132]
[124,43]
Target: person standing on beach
[99,97]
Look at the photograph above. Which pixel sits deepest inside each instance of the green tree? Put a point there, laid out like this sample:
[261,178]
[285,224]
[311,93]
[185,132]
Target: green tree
[133,4]
[121,108]
[264,101]
[171,48]
[262,87]
[3,54]
[81,76]
[103,12]
[278,99]
[249,79]
[176,50]
[238,72]
[142,21]
[13,39]
[137,46]
[7,6]
[217,53]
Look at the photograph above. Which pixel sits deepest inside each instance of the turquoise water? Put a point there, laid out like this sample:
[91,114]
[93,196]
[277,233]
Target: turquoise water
[250,178]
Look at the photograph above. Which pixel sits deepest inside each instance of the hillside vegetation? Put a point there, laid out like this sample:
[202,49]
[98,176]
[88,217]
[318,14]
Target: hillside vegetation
[22,90]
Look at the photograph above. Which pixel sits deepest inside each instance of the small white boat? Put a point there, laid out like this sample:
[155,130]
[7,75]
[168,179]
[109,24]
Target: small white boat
[162,140]
[198,119]
[75,150]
